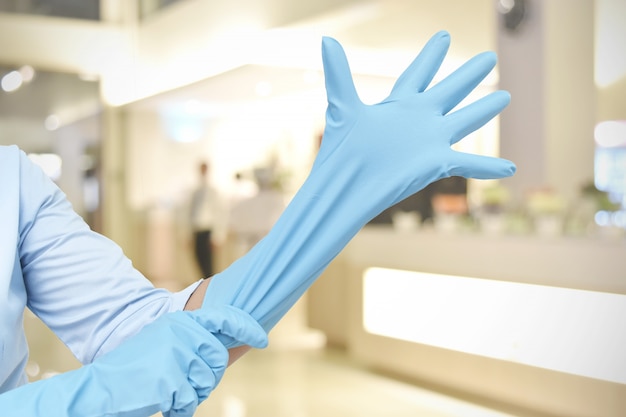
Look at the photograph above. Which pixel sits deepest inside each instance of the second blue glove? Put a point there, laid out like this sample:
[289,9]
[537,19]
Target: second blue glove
[171,366]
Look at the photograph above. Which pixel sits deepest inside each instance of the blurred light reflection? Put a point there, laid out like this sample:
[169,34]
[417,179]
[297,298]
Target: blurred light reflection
[11,81]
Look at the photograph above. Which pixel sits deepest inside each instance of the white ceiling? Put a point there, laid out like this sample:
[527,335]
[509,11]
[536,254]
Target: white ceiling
[380,38]
[378,35]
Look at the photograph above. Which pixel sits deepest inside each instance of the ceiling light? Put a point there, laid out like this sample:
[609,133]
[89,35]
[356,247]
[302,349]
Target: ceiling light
[11,81]
[52,122]
[27,72]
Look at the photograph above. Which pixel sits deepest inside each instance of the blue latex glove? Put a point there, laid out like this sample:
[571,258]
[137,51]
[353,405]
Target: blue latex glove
[171,365]
[371,157]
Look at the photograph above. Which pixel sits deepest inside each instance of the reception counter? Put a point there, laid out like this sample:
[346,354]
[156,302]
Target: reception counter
[525,322]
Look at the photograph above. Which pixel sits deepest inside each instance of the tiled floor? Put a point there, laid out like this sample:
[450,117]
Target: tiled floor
[323,384]
[289,383]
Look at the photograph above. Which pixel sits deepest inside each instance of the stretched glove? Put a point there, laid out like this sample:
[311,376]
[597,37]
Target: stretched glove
[371,157]
[171,365]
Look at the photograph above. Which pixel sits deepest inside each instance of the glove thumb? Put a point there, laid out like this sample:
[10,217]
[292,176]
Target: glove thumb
[340,90]
[233,322]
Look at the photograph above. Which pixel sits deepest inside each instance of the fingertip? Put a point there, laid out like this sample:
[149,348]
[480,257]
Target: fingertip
[441,38]
[491,55]
[442,34]
[329,43]
[331,51]
[503,96]
[506,169]
[259,335]
[481,167]
[512,168]
[257,340]
[263,342]
[488,57]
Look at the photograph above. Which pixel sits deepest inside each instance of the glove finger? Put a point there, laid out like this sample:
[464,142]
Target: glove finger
[340,89]
[233,322]
[206,372]
[455,87]
[185,404]
[480,166]
[475,115]
[423,69]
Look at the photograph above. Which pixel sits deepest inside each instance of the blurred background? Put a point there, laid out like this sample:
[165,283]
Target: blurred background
[505,294]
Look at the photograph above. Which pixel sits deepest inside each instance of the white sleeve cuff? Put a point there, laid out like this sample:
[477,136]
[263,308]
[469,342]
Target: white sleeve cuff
[180,298]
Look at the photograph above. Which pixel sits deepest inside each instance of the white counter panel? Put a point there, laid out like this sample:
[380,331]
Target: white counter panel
[566,263]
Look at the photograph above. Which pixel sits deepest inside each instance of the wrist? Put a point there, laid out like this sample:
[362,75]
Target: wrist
[197,296]
[195,302]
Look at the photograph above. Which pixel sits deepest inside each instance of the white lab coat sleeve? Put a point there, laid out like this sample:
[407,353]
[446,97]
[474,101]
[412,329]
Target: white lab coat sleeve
[78,282]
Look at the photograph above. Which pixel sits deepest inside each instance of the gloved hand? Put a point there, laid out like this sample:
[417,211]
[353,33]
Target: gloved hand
[371,157]
[171,365]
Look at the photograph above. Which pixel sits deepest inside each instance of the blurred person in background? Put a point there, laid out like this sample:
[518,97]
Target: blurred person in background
[204,214]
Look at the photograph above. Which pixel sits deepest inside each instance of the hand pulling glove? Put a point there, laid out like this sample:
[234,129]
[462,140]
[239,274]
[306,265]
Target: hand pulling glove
[371,157]
[171,365]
